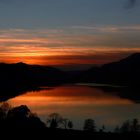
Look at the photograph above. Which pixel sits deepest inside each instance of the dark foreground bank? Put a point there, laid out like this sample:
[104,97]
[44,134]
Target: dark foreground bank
[19,122]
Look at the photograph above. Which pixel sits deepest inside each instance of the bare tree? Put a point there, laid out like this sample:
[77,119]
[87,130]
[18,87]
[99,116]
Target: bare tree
[54,120]
[65,122]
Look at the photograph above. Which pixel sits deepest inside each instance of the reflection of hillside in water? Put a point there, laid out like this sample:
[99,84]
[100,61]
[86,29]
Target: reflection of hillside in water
[132,94]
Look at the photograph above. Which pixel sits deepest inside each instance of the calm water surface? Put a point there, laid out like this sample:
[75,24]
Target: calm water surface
[78,103]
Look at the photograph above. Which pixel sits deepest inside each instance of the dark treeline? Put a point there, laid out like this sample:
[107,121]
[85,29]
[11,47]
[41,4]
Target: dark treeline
[21,120]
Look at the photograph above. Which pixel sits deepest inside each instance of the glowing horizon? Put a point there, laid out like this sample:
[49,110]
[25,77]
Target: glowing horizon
[59,47]
[106,31]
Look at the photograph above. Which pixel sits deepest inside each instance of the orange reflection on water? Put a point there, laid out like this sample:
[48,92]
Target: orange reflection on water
[79,103]
[67,96]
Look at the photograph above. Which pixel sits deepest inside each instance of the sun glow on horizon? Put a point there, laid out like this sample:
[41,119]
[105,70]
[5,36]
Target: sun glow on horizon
[98,45]
[69,57]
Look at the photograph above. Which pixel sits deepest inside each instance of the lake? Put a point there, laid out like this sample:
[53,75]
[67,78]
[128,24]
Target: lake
[79,102]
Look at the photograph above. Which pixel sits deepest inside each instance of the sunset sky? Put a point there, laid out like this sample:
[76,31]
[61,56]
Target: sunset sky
[68,32]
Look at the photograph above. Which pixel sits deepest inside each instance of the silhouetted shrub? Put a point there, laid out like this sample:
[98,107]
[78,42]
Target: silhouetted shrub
[18,117]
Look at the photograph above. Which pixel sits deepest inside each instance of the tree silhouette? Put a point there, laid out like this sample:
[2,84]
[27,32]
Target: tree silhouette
[18,117]
[117,129]
[70,124]
[35,122]
[132,126]
[4,108]
[65,122]
[135,126]
[89,125]
[102,129]
[54,120]
[126,127]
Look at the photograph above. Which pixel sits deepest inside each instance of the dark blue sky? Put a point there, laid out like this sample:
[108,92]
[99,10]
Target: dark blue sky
[59,13]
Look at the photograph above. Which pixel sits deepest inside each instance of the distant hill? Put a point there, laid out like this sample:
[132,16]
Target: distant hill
[23,74]
[123,72]
[19,78]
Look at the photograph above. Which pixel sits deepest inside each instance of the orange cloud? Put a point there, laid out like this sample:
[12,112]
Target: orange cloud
[59,47]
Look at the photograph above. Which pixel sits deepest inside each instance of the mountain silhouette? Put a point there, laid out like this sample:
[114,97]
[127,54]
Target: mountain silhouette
[23,74]
[124,72]
[18,78]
